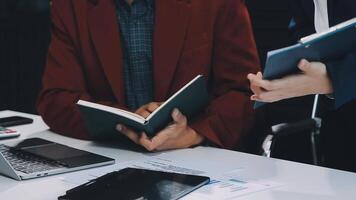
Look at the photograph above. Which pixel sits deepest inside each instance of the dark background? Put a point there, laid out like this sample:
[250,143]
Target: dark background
[24,39]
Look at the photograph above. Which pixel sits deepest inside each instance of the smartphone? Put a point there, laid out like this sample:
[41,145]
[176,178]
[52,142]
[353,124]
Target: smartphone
[8,133]
[14,121]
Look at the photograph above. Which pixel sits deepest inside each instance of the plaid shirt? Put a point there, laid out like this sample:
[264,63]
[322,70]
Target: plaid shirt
[136,25]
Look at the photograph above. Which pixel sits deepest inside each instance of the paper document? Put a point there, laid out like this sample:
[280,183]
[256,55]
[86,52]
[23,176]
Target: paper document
[166,165]
[152,163]
[81,177]
[227,189]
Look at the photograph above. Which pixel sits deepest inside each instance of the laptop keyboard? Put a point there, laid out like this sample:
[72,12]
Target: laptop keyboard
[26,162]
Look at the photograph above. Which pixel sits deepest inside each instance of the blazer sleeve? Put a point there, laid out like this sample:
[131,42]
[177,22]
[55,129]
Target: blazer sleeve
[343,76]
[230,116]
[63,81]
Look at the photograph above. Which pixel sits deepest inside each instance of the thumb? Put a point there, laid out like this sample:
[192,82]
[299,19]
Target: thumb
[178,117]
[304,66]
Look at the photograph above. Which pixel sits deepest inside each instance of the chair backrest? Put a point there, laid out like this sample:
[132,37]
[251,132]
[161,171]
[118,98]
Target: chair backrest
[308,127]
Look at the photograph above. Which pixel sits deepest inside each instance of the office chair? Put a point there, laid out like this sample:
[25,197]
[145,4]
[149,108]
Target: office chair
[279,131]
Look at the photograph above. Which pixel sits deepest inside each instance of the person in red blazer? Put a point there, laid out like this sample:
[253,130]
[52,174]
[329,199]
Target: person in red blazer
[208,37]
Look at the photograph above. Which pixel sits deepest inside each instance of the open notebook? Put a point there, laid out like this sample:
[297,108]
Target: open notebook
[101,120]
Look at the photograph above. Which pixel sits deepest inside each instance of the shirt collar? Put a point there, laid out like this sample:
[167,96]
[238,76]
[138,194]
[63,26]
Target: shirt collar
[150,3]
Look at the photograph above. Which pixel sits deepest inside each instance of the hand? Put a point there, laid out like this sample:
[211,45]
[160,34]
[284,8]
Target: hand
[175,136]
[147,109]
[143,111]
[313,80]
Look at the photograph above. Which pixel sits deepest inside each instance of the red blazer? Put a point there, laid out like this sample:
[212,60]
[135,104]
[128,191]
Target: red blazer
[209,37]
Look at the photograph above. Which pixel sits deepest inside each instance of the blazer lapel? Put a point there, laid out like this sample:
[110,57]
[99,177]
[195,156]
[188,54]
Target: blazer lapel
[171,20]
[105,34]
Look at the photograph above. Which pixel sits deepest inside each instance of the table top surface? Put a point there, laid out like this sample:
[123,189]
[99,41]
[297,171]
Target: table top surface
[300,181]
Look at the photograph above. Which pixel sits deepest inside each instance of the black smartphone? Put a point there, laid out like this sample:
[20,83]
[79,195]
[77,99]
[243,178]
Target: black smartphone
[14,121]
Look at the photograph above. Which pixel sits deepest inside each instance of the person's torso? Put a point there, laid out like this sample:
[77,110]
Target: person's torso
[182,44]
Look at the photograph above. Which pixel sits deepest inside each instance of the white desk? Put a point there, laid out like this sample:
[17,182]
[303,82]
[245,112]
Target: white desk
[300,181]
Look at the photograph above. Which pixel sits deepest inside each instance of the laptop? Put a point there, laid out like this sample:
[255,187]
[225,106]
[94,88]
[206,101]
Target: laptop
[36,157]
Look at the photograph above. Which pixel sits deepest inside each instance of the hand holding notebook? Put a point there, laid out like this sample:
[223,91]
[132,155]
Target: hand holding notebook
[282,68]
[102,120]
[176,135]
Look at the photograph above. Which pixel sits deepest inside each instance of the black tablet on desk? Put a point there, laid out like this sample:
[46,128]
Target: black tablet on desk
[141,184]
